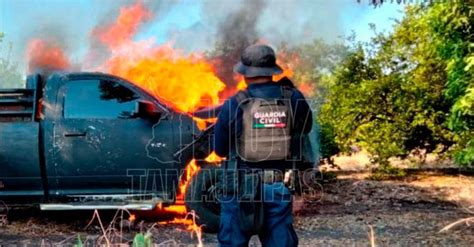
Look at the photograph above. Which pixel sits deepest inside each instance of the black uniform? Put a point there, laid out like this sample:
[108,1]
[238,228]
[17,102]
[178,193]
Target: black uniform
[259,60]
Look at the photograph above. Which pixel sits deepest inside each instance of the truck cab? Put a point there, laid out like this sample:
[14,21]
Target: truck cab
[90,140]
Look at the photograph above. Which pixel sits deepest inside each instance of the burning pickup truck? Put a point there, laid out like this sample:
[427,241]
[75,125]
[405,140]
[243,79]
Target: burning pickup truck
[95,141]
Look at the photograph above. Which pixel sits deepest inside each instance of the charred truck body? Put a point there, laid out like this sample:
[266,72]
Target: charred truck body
[90,141]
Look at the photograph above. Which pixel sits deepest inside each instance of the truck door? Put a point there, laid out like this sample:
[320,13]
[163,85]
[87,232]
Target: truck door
[100,144]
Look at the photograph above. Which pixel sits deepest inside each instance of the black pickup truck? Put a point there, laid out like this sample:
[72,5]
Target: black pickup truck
[90,141]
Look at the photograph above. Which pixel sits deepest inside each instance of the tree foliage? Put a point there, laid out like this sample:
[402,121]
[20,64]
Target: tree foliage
[453,38]
[410,89]
[9,74]
[312,63]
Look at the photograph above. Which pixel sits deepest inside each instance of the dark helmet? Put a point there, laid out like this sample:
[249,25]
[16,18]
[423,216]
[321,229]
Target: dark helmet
[258,60]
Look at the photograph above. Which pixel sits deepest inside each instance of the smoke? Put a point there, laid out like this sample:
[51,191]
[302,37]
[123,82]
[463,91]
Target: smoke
[46,56]
[235,33]
[238,30]
[301,21]
[47,40]
[125,20]
[67,25]
[222,31]
[273,21]
[226,28]
[114,32]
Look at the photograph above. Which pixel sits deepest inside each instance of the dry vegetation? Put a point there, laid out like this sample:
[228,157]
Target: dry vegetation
[425,208]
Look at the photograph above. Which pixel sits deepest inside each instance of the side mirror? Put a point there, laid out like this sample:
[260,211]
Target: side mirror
[146,109]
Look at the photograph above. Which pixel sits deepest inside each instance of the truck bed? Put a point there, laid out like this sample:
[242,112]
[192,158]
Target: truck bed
[20,104]
[19,159]
[19,141]
[17,105]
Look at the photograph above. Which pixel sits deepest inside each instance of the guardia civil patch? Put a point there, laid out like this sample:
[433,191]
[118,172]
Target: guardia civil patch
[270,119]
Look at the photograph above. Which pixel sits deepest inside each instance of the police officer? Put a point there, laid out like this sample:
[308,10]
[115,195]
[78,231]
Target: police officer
[258,65]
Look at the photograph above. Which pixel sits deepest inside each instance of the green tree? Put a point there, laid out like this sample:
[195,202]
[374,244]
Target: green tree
[453,37]
[312,63]
[9,74]
[411,89]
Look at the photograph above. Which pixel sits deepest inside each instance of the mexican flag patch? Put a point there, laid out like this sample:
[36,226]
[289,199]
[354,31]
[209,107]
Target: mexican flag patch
[272,119]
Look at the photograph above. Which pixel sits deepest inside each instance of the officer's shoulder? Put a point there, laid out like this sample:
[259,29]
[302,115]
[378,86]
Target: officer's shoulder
[293,90]
[296,93]
[240,96]
[230,101]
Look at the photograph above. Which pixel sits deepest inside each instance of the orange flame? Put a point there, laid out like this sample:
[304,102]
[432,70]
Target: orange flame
[241,85]
[191,169]
[124,27]
[203,123]
[183,83]
[213,158]
[177,209]
[41,54]
[306,88]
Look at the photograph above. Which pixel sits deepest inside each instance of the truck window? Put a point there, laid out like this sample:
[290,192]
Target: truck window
[98,99]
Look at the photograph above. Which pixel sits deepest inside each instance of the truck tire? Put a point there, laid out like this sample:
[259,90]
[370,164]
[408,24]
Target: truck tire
[201,197]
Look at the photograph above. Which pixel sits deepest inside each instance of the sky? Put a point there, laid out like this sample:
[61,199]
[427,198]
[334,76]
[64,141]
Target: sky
[190,25]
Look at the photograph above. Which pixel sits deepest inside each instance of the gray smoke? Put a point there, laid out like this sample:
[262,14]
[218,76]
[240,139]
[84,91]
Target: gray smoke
[301,21]
[227,27]
[234,34]
[48,29]
[273,21]
[224,27]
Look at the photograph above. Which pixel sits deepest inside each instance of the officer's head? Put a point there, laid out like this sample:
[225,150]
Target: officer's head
[258,63]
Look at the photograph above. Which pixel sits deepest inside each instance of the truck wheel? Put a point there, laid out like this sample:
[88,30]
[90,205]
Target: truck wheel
[201,197]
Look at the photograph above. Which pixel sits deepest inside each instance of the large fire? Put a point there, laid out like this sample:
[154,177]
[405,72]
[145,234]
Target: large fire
[125,27]
[184,82]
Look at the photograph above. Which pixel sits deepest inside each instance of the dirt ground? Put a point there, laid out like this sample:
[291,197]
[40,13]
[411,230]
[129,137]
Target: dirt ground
[401,213]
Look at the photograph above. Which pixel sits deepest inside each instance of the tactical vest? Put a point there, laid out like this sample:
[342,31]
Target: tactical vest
[266,127]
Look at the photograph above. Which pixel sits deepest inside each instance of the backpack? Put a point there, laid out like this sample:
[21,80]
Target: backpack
[266,127]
